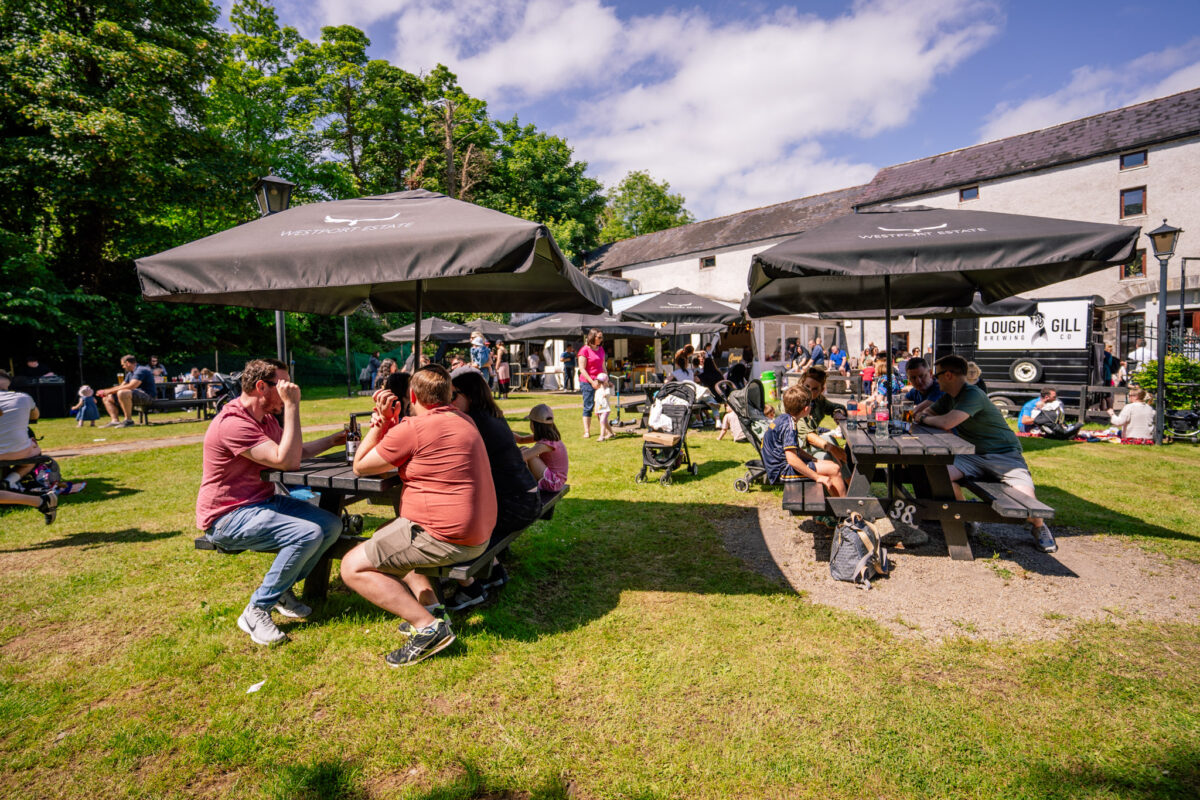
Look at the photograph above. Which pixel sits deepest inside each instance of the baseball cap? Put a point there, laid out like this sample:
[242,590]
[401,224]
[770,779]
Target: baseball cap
[603,376]
[540,413]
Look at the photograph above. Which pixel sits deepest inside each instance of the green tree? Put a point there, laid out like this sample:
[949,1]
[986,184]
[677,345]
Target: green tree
[456,138]
[534,176]
[640,205]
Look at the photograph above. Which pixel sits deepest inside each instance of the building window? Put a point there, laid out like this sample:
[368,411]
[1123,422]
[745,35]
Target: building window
[708,262]
[1131,160]
[1133,202]
[1134,268]
[970,193]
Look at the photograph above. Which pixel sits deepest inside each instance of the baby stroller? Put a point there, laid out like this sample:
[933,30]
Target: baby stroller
[667,449]
[749,404]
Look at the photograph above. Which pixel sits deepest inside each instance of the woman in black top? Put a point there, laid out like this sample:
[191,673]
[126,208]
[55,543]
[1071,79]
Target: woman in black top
[517,501]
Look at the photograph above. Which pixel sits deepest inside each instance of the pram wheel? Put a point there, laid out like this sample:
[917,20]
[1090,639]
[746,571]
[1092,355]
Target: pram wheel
[666,479]
[640,477]
[742,485]
[694,469]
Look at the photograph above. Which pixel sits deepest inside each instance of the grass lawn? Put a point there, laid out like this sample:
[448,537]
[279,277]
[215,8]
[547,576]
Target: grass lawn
[629,657]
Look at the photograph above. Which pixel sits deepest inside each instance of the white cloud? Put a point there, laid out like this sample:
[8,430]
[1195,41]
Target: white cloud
[731,114]
[1093,90]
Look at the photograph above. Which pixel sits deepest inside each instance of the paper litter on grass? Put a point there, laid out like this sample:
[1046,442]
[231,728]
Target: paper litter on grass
[256,686]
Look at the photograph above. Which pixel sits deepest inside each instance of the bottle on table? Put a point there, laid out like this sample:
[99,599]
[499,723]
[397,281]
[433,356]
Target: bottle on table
[353,437]
[881,423]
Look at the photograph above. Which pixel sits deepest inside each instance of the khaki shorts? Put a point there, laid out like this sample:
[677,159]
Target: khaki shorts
[1008,468]
[402,545]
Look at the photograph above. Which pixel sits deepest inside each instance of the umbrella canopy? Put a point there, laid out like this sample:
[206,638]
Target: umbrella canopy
[929,257]
[489,328]
[433,329]
[1008,307]
[566,326]
[327,258]
[678,305]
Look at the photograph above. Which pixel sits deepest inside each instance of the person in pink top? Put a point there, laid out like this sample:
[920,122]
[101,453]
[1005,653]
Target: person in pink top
[591,364]
[547,458]
[447,510]
[238,510]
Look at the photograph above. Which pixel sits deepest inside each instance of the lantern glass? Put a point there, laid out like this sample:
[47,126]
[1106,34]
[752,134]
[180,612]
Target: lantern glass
[1163,239]
[272,194]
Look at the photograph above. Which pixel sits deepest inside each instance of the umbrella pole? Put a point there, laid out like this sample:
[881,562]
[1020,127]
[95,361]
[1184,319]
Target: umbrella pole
[887,387]
[349,370]
[417,330]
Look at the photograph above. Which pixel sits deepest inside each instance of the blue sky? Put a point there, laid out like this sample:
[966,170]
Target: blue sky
[744,104]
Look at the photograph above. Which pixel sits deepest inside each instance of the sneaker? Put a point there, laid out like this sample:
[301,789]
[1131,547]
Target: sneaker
[258,623]
[289,606]
[49,506]
[467,596]
[422,644]
[1045,539]
[497,578]
[116,423]
[126,424]
[406,628]
[12,485]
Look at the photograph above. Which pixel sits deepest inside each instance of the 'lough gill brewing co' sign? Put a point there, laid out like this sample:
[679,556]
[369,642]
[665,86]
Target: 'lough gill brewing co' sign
[1057,325]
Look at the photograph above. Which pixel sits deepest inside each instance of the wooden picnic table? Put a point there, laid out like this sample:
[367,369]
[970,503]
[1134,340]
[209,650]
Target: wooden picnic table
[333,477]
[918,463]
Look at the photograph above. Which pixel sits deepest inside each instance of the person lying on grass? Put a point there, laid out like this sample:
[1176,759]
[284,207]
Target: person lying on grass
[783,455]
[238,510]
[447,512]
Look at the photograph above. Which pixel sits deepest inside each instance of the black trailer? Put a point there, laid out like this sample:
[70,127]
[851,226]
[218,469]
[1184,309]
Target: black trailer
[1060,346]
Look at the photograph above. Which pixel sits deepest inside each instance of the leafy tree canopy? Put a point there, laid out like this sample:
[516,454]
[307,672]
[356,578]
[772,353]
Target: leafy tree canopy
[639,205]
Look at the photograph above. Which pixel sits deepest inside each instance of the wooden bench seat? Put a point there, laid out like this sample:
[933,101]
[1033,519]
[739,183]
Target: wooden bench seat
[1007,501]
[804,498]
[460,571]
[203,405]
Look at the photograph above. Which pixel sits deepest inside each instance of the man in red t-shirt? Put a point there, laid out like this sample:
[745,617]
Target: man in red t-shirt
[238,510]
[447,512]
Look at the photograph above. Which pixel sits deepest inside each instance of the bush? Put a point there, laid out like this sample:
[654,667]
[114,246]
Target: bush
[1178,372]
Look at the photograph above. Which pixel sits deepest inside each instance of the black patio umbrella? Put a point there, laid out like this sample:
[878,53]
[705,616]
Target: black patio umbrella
[566,326]
[1008,307]
[406,251]
[433,329]
[916,256]
[676,306]
[489,328]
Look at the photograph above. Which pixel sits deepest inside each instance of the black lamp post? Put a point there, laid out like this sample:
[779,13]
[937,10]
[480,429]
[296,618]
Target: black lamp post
[273,194]
[1163,239]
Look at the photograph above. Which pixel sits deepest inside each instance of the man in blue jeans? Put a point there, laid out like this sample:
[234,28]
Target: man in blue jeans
[237,510]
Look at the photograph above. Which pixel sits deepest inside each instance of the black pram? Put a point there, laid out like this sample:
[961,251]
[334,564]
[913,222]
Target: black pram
[749,406]
[667,450]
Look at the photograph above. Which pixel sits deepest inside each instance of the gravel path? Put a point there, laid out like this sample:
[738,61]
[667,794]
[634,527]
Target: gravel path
[1019,593]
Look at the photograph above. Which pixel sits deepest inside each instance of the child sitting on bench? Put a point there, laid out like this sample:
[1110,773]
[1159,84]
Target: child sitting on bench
[783,456]
[547,458]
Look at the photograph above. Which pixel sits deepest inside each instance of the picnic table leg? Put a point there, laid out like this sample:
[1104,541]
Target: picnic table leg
[316,585]
[955,529]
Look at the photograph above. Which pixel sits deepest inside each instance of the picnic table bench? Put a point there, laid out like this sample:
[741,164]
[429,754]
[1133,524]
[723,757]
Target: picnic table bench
[339,487]
[205,406]
[916,465]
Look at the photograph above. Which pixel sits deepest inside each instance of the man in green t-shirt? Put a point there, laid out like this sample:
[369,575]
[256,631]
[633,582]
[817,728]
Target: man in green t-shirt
[966,410]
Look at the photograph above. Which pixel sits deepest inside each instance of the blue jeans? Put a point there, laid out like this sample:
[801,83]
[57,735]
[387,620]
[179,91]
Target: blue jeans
[589,397]
[299,530]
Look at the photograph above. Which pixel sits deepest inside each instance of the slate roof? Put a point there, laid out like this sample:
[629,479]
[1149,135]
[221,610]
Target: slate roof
[746,227]
[1122,130]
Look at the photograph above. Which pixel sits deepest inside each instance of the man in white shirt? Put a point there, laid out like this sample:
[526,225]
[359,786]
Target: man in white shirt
[17,409]
[1140,355]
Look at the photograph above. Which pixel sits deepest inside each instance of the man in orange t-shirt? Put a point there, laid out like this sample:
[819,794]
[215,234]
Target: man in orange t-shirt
[447,512]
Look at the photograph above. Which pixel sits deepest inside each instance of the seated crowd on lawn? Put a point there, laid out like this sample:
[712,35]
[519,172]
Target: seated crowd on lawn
[465,481]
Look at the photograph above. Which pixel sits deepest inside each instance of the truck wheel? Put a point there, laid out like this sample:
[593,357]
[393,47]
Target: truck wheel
[1025,370]
[1007,407]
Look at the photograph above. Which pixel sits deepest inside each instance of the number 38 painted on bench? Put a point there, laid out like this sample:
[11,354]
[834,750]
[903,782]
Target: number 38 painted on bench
[903,512]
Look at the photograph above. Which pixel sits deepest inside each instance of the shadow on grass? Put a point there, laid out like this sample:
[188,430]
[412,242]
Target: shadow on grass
[98,490]
[90,541]
[1175,773]
[573,569]
[317,780]
[1083,514]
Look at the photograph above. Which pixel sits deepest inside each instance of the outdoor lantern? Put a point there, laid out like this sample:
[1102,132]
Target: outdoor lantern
[1163,238]
[272,194]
